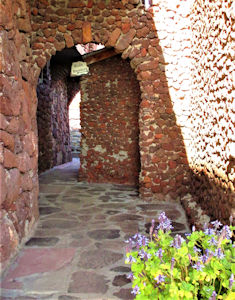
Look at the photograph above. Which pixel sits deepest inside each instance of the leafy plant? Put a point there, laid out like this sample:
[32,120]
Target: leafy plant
[199,266]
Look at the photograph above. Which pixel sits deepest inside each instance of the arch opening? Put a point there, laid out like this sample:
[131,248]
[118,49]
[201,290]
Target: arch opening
[109,130]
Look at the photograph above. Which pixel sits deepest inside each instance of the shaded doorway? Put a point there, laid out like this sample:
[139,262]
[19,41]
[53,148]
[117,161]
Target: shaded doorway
[107,141]
[52,118]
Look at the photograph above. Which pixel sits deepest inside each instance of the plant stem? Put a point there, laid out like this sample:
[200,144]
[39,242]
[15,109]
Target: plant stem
[220,288]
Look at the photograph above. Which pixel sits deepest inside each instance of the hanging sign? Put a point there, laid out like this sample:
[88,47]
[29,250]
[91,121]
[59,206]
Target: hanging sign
[79,68]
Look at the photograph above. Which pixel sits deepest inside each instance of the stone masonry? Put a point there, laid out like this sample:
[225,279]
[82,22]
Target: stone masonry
[109,121]
[130,29]
[53,120]
[212,147]
[181,52]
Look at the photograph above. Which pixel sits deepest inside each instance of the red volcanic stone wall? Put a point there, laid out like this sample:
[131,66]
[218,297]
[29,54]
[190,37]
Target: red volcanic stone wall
[197,43]
[182,52]
[18,131]
[130,29]
[31,32]
[110,97]
[212,157]
[53,122]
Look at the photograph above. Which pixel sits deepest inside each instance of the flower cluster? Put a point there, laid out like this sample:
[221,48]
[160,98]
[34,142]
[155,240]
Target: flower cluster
[164,222]
[137,241]
[177,242]
[199,266]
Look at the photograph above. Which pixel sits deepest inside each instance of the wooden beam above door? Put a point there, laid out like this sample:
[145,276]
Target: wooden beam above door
[99,55]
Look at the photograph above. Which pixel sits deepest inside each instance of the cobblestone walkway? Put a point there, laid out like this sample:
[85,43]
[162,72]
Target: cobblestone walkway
[78,249]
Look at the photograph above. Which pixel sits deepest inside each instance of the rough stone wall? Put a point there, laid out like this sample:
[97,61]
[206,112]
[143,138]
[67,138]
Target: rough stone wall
[110,98]
[44,118]
[29,36]
[18,136]
[212,143]
[53,121]
[126,26]
[171,109]
[60,123]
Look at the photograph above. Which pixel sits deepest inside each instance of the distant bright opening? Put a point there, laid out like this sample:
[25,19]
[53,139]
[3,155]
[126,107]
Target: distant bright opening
[75,125]
[90,47]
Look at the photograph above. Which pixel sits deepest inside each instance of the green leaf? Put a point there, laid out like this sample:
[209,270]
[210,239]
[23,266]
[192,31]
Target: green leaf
[233,268]
[187,286]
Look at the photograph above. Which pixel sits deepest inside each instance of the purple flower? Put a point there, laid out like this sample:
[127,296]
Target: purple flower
[130,259]
[138,241]
[144,255]
[160,278]
[228,232]
[136,290]
[130,276]
[216,224]
[213,241]
[135,236]
[198,266]
[213,296]
[219,253]
[231,280]
[204,258]
[172,263]
[164,222]
[142,241]
[193,228]
[159,253]
[178,240]
[197,250]
[209,231]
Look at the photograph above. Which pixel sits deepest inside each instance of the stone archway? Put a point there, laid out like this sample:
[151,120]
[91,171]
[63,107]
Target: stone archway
[130,30]
[33,33]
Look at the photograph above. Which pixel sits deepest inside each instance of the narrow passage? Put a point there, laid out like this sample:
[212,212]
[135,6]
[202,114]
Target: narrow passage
[78,249]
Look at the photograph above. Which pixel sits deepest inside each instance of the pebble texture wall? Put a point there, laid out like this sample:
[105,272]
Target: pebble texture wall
[44,118]
[173,121]
[18,137]
[126,26]
[110,98]
[212,143]
[53,122]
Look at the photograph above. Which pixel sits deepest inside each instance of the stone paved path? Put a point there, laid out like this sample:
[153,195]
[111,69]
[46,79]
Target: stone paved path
[78,249]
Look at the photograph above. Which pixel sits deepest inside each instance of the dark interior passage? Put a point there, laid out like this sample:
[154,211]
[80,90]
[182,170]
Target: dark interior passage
[109,135]
[55,91]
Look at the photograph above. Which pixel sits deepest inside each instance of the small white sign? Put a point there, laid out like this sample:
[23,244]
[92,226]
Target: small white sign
[79,68]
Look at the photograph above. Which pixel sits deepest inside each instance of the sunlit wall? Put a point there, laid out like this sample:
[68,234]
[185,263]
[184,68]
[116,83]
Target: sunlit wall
[197,41]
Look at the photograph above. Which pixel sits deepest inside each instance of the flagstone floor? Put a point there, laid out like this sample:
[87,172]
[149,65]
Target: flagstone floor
[78,249]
